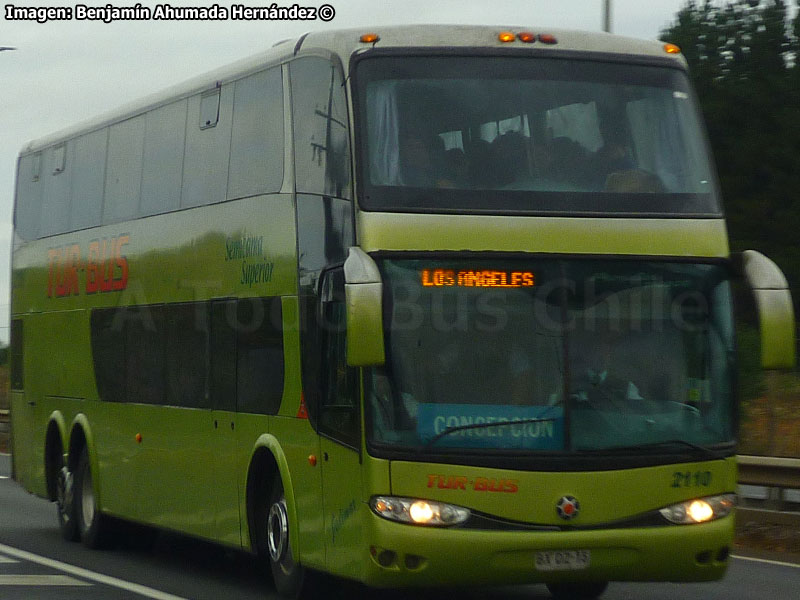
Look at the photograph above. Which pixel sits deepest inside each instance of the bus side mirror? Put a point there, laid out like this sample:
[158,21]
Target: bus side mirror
[775,311]
[363,290]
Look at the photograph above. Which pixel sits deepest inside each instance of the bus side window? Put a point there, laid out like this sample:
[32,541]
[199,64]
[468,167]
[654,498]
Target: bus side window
[186,353]
[124,159]
[257,145]
[222,380]
[259,355]
[207,147]
[339,416]
[88,180]
[57,184]
[247,355]
[28,200]
[321,138]
[145,354]
[162,167]
[16,354]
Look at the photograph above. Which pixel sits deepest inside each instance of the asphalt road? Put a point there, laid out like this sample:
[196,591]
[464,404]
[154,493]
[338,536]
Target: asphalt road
[35,563]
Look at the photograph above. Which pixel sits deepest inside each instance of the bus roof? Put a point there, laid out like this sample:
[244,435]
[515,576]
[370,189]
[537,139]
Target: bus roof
[346,42]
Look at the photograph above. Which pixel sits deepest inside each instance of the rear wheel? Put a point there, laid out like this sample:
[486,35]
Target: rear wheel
[92,525]
[65,503]
[577,591]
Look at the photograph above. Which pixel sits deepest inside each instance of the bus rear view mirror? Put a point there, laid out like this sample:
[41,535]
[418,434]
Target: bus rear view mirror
[774,306]
[364,298]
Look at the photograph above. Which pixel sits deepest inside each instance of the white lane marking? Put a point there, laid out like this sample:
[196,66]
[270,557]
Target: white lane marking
[90,575]
[40,580]
[3,477]
[769,562]
[6,560]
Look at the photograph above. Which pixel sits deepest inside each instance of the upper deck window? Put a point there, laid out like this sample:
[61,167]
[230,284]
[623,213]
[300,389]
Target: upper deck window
[542,135]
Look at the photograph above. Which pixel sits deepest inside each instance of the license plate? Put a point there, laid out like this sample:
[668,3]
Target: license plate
[563,560]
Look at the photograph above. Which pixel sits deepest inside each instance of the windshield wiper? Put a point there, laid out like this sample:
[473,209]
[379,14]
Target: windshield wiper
[450,430]
[710,452]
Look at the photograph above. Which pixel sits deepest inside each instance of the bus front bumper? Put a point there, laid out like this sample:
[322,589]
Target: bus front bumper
[409,556]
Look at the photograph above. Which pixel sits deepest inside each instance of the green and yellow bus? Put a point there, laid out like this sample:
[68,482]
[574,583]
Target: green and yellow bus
[415,307]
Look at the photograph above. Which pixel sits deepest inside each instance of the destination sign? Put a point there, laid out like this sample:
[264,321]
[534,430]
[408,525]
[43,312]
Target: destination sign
[481,278]
[492,425]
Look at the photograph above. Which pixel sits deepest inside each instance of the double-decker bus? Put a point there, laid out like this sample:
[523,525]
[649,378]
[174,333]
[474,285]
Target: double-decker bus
[426,306]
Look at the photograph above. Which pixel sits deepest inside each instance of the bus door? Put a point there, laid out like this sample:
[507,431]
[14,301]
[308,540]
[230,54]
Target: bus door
[340,433]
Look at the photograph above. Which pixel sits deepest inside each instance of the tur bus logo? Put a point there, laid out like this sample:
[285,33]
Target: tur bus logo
[104,270]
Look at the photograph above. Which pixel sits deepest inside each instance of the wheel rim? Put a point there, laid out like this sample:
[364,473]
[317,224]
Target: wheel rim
[278,531]
[87,498]
[64,494]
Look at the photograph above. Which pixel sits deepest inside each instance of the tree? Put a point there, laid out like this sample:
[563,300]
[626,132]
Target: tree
[744,59]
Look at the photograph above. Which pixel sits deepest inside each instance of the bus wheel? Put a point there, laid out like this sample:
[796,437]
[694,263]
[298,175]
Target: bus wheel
[65,502]
[577,591]
[291,579]
[92,526]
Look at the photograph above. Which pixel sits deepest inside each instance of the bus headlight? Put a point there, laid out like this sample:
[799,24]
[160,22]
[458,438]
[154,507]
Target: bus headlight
[699,510]
[418,512]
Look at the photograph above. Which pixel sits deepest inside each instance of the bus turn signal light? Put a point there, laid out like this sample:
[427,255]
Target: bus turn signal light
[370,38]
[672,49]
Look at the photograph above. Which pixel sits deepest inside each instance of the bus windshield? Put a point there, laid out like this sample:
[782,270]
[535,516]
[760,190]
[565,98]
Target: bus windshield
[552,355]
[534,135]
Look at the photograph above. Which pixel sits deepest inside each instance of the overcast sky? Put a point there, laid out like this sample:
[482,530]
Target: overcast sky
[63,72]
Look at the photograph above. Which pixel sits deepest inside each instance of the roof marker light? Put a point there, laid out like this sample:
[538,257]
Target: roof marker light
[506,36]
[547,38]
[370,38]
[527,37]
[672,49]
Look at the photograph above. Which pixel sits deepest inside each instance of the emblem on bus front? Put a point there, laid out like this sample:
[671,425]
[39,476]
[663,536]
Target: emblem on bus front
[568,507]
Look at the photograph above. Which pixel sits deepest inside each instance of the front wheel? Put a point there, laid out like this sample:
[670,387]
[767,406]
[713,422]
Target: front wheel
[292,580]
[577,591]
[92,525]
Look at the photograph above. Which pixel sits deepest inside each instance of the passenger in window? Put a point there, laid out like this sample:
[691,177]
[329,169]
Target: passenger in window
[521,376]
[392,412]
[600,383]
[613,156]
[455,168]
[615,169]
[479,159]
[634,181]
[509,158]
[422,159]
[567,164]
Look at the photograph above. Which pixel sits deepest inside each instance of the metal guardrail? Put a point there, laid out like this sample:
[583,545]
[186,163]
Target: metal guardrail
[769,471]
[776,475]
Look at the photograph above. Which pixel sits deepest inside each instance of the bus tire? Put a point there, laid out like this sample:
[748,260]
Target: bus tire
[92,526]
[291,579]
[577,591]
[65,504]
